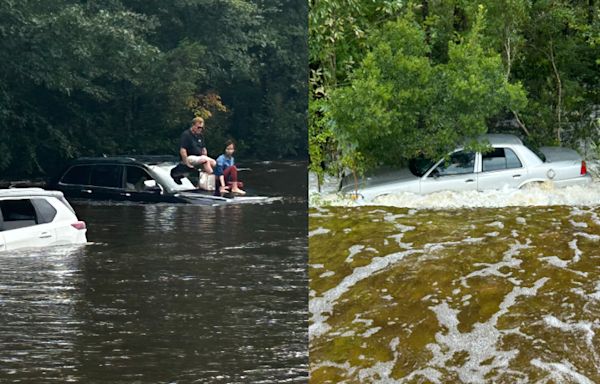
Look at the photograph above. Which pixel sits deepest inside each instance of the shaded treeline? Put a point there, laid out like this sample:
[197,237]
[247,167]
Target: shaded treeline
[126,76]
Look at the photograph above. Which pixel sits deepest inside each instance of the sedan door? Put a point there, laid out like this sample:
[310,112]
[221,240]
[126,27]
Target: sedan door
[455,174]
[501,168]
[21,228]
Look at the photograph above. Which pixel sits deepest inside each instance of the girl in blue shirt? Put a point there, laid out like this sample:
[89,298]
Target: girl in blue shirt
[226,172]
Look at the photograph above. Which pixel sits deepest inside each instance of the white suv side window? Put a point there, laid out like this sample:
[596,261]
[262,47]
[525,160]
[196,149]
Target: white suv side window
[18,213]
[45,212]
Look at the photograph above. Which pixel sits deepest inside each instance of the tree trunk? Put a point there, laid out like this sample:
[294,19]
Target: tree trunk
[558,91]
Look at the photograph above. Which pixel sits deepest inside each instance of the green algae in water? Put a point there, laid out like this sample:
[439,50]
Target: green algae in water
[480,264]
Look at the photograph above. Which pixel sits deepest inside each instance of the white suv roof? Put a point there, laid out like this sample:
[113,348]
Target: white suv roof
[28,192]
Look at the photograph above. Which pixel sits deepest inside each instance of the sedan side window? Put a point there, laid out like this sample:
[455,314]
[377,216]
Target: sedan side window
[460,163]
[106,175]
[17,214]
[500,158]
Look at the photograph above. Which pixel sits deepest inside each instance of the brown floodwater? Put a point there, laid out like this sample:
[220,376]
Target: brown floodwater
[166,293]
[505,295]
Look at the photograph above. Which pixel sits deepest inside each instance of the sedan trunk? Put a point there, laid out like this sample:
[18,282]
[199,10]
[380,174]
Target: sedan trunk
[556,154]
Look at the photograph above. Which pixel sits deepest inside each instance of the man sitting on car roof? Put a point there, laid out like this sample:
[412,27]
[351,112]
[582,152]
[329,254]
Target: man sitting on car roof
[192,150]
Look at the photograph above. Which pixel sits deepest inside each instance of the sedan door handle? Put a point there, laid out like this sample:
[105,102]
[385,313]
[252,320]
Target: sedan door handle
[469,181]
[516,176]
[86,190]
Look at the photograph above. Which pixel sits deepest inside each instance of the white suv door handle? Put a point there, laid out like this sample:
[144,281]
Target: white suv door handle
[516,176]
[126,194]
[45,235]
[86,190]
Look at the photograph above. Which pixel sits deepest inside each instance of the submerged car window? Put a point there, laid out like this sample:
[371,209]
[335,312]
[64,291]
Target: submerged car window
[500,158]
[17,214]
[79,174]
[460,162]
[135,177]
[45,211]
[106,175]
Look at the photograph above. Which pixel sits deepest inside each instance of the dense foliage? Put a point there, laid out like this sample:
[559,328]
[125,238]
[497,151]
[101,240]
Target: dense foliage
[127,76]
[395,79]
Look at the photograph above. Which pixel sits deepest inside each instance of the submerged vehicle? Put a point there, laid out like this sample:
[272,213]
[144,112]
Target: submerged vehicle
[33,217]
[509,164]
[137,179]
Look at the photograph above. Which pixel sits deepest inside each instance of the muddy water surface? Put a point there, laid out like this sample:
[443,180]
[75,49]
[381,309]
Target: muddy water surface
[509,295]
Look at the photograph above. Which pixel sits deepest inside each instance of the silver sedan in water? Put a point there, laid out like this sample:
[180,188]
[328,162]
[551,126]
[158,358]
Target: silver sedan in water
[509,164]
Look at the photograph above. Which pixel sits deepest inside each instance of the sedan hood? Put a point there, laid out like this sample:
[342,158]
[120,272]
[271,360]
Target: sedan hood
[378,178]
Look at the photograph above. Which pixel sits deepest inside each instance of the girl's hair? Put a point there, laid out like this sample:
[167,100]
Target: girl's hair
[229,142]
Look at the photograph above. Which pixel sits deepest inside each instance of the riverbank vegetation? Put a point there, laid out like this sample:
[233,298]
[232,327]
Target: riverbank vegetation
[126,76]
[393,80]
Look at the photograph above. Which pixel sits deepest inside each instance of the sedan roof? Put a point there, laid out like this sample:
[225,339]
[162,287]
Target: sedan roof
[501,139]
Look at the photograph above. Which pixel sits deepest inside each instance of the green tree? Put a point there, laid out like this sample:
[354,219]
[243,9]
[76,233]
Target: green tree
[400,104]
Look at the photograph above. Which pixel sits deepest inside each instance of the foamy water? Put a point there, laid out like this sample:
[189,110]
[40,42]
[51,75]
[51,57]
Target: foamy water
[507,294]
[539,195]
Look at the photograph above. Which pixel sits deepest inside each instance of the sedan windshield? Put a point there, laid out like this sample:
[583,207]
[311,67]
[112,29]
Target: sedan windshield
[420,165]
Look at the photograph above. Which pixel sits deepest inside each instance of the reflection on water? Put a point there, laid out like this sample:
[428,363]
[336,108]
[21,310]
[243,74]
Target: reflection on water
[507,295]
[163,293]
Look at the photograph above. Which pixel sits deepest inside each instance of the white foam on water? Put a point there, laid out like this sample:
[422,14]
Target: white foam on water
[354,250]
[493,269]
[577,252]
[318,231]
[578,224]
[497,224]
[584,327]
[543,195]
[596,295]
[330,364]
[371,331]
[480,343]
[380,372]
[556,261]
[589,236]
[320,306]
[326,274]
[561,372]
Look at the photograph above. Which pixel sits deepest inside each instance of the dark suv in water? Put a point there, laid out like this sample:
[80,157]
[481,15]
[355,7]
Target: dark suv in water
[139,178]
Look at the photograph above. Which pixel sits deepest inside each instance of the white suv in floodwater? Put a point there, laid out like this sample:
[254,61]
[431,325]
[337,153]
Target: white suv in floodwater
[33,217]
